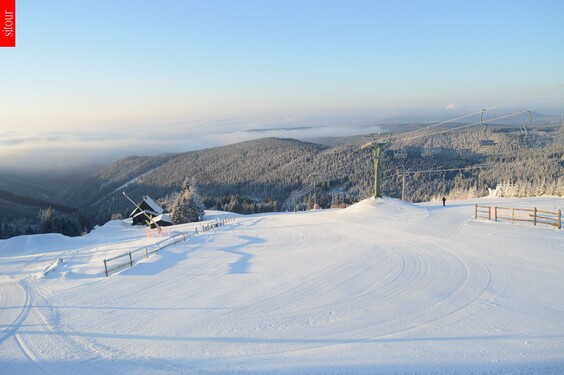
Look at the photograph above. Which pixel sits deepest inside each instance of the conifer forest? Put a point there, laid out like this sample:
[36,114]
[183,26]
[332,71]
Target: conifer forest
[273,174]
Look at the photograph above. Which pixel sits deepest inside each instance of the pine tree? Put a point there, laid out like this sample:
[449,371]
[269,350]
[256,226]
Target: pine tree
[197,199]
[188,206]
[48,220]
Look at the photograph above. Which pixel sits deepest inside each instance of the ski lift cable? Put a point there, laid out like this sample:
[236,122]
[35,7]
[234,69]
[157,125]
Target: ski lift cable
[329,172]
[475,123]
[478,112]
[305,188]
[519,100]
[332,171]
[445,170]
[323,176]
[437,124]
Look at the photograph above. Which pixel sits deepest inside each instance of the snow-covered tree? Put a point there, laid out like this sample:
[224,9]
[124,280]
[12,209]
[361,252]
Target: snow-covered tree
[47,219]
[197,199]
[188,206]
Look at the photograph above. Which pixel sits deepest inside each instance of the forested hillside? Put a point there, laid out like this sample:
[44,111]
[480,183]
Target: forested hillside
[264,170]
[25,215]
[274,174]
[261,175]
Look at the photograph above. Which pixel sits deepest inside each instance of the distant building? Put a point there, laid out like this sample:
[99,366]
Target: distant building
[149,209]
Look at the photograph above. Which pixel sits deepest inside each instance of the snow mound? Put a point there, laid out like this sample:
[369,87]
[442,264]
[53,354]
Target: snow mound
[115,230]
[387,208]
[36,243]
[216,214]
[112,226]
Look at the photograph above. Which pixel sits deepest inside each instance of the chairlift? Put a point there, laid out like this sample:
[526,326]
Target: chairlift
[430,150]
[485,141]
[526,137]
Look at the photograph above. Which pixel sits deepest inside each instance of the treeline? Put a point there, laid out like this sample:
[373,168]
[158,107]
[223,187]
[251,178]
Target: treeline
[48,220]
[261,175]
[23,215]
[241,205]
[280,174]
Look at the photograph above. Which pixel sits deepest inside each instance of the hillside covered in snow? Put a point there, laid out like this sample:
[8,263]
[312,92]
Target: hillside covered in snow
[382,286]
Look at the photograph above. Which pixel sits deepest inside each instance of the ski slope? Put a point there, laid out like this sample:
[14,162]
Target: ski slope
[380,287]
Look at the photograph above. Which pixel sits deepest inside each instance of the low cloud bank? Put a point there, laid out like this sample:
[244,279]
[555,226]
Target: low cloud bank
[71,149]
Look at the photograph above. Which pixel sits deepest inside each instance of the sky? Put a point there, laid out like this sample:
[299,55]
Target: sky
[93,81]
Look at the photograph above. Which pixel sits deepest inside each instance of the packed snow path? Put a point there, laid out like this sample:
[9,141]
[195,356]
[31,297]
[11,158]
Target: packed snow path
[380,287]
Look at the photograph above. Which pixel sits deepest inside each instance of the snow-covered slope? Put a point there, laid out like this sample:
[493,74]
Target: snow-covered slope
[380,287]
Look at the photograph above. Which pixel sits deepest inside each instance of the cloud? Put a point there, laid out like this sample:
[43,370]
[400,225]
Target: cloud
[75,148]
[277,129]
[452,106]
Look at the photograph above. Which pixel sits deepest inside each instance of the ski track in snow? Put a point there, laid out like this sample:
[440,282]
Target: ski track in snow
[384,287]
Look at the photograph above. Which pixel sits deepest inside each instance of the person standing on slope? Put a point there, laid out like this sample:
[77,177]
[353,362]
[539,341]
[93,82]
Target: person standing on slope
[444,201]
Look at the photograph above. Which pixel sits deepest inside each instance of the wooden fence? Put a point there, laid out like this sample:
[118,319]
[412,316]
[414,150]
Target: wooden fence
[131,257]
[533,215]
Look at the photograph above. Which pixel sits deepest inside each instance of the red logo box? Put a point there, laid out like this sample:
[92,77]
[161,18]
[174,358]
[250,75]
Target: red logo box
[7,23]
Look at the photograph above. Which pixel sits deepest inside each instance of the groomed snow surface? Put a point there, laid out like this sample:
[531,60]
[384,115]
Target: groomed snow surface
[380,287]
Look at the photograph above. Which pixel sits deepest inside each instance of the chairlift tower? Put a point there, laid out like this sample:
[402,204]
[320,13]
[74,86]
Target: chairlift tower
[378,143]
[485,141]
[526,138]
[403,186]
[314,176]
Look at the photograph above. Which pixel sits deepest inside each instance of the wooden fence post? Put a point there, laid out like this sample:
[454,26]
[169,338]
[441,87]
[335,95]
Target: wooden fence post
[146,253]
[130,259]
[535,218]
[476,212]
[512,215]
[106,267]
[489,213]
[559,218]
[495,213]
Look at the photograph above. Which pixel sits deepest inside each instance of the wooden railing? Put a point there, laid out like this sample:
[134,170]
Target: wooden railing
[533,215]
[131,257]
